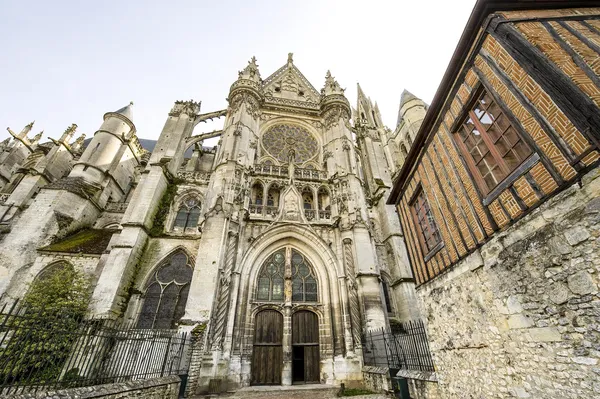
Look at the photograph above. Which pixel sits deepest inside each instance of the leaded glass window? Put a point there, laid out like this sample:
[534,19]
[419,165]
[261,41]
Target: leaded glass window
[188,214]
[304,284]
[270,279]
[166,293]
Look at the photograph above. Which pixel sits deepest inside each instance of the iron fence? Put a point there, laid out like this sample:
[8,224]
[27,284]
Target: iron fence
[405,347]
[41,350]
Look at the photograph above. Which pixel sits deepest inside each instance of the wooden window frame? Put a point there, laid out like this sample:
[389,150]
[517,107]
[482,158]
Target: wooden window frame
[490,194]
[428,252]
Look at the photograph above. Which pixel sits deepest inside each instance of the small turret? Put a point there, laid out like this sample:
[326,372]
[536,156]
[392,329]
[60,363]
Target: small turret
[106,146]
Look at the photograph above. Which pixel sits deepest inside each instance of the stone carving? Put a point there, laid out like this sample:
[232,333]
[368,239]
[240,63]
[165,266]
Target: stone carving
[280,139]
[223,301]
[252,106]
[291,211]
[251,71]
[189,108]
[352,292]
[331,86]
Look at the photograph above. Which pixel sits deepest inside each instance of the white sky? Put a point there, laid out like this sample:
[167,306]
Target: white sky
[71,61]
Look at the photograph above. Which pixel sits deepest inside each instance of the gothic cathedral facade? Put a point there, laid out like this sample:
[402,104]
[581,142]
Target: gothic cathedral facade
[276,244]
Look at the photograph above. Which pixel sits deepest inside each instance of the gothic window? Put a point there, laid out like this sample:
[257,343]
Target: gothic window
[273,197]
[280,139]
[166,293]
[490,144]
[323,197]
[257,194]
[304,284]
[53,269]
[423,217]
[188,214]
[307,198]
[270,278]
[270,281]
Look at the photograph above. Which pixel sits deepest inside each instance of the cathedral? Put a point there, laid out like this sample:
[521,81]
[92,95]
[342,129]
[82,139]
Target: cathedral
[277,242]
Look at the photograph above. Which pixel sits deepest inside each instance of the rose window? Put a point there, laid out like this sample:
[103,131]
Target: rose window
[283,141]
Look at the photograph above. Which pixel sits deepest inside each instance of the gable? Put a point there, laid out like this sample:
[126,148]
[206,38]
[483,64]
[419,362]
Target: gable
[289,86]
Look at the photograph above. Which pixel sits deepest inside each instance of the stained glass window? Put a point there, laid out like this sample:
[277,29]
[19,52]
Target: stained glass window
[166,293]
[280,139]
[270,279]
[304,284]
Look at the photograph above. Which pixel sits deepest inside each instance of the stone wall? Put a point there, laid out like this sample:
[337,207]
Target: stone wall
[377,379]
[520,317]
[420,389]
[156,388]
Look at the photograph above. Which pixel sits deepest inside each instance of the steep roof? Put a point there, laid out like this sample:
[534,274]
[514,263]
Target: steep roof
[126,111]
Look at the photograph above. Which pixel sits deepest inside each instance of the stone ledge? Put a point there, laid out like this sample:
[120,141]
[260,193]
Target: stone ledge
[375,370]
[98,391]
[418,375]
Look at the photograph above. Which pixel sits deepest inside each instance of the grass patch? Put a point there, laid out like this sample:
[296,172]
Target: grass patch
[355,392]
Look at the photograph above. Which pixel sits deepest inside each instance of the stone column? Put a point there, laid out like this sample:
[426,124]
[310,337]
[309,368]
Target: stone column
[220,317]
[352,287]
[286,377]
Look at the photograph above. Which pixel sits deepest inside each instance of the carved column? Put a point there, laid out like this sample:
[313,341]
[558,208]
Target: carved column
[223,301]
[286,373]
[352,292]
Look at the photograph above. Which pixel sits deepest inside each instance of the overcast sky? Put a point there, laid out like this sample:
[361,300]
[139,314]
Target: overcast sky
[71,61]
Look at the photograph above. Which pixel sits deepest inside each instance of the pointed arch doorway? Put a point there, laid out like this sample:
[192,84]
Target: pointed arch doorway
[287,355]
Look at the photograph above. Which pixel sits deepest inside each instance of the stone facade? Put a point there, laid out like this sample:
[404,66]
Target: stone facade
[184,236]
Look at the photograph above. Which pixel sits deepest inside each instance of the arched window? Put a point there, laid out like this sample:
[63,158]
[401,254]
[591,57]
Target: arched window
[307,198]
[51,270]
[323,197]
[257,194]
[270,279]
[304,284]
[270,282]
[188,214]
[166,293]
[273,196]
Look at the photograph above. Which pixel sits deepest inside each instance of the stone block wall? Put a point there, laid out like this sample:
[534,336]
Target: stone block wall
[156,388]
[520,317]
[377,379]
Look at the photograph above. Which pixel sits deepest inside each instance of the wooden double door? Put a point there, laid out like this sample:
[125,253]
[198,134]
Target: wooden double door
[267,355]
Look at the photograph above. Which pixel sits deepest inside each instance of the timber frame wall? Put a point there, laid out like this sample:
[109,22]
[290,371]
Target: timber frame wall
[543,68]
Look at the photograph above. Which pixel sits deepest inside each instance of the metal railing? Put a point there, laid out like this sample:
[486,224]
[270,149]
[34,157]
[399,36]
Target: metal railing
[44,350]
[405,347]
